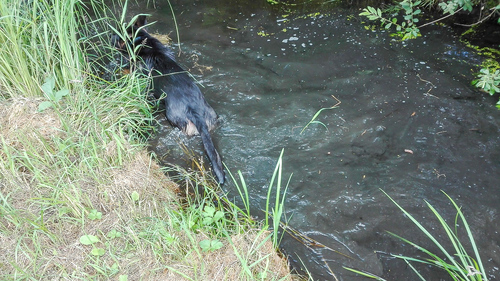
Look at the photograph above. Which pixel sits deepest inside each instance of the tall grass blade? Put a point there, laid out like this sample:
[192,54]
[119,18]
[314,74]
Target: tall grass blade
[460,265]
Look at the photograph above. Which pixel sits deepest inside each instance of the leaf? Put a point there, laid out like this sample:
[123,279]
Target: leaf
[207,221]
[219,215]
[135,196]
[205,245]
[97,252]
[44,105]
[365,12]
[123,278]
[61,93]
[114,234]
[95,215]
[216,244]
[88,239]
[48,86]
[209,211]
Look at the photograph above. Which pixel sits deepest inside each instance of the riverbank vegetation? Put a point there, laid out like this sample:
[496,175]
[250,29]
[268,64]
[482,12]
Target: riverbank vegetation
[456,261]
[405,16]
[80,197]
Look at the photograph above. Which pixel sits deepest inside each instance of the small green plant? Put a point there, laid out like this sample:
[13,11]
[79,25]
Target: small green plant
[135,196]
[114,234]
[88,239]
[210,245]
[211,216]
[95,215]
[489,80]
[54,97]
[278,210]
[313,119]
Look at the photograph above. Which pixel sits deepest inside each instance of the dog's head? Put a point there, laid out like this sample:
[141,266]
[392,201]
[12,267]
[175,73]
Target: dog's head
[136,36]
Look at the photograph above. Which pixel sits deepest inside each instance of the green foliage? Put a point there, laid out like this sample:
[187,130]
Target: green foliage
[211,216]
[48,90]
[452,6]
[489,78]
[406,29]
[459,264]
[135,196]
[88,239]
[97,252]
[278,210]
[210,245]
[114,234]
[94,215]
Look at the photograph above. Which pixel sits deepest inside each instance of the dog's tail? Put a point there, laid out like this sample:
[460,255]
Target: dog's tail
[208,144]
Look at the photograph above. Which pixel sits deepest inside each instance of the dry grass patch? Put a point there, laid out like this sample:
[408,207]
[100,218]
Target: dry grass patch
[57,194]
[252,251]
[22,123]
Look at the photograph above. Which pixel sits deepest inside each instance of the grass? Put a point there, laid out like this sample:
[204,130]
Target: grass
[80,198]
[457,262]
[316,115]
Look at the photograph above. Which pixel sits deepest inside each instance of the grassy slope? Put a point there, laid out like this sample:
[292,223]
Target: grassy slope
[80,198]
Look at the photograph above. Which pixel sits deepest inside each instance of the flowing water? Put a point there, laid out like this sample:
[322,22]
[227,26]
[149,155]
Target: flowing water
[409,123]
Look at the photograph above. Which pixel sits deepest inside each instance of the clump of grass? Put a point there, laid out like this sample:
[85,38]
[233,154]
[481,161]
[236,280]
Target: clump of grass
[224,233]
[457,262]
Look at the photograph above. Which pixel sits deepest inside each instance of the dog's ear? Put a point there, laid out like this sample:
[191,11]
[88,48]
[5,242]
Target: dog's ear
[140,22]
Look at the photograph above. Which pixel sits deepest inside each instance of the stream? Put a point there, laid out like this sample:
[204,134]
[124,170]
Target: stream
[408,123]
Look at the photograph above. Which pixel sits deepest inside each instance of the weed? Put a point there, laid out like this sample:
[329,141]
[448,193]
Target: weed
[458,263]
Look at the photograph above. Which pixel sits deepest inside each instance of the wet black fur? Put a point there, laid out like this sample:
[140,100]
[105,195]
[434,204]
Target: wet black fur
[186,107]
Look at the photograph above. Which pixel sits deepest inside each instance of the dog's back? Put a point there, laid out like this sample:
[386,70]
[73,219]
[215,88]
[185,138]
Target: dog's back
[186,107]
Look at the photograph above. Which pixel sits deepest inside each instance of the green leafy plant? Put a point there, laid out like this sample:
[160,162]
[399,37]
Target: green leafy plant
[88,239]
[406,29]
[211,216]
[135,196]
[95,215]
[489,80]
[114,234]
[97,252]
[210,245]
[54,97]
[451,7]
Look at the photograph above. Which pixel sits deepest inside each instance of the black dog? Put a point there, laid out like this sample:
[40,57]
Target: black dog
[186,107]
